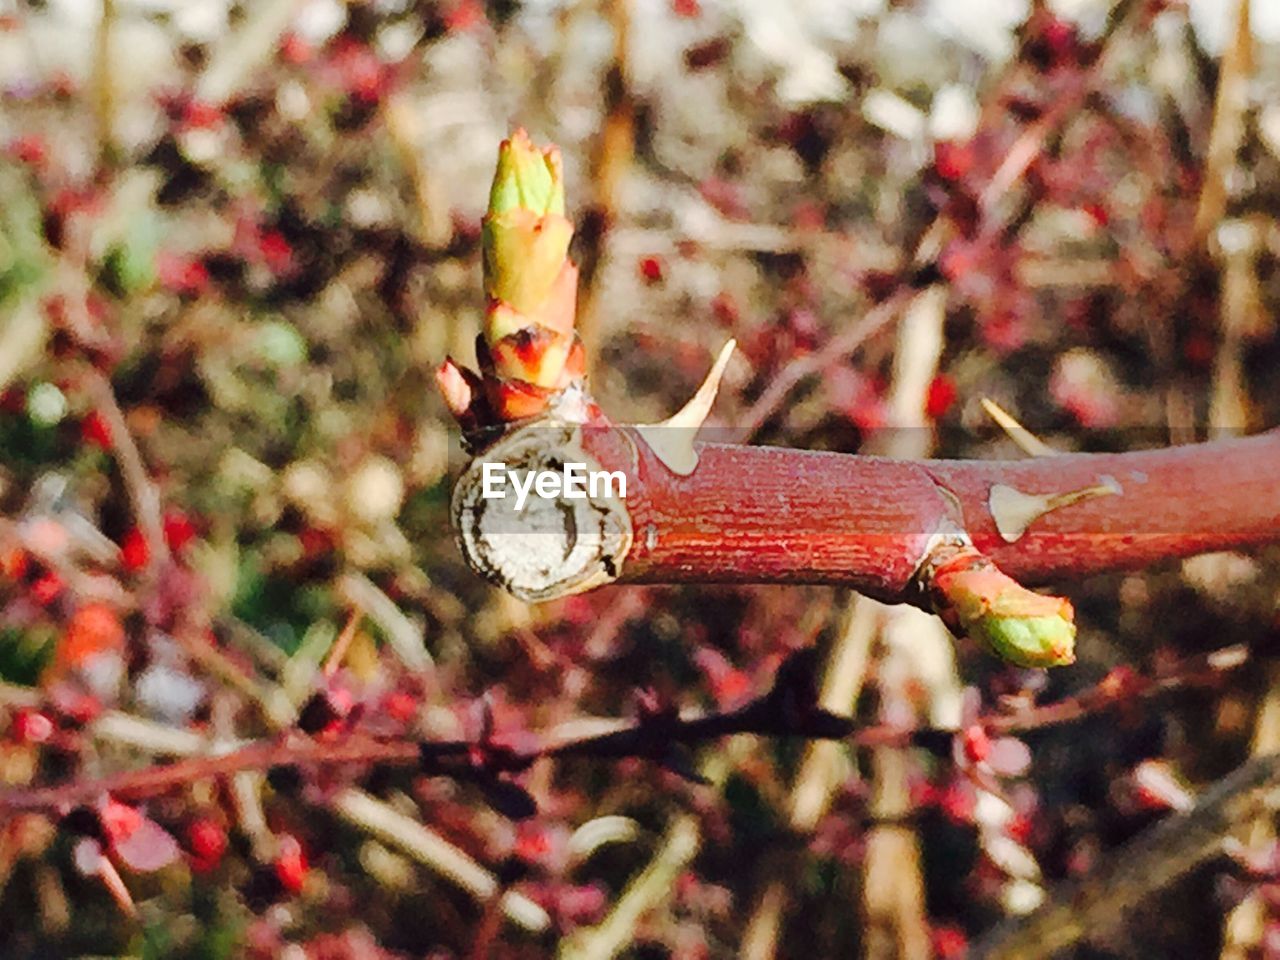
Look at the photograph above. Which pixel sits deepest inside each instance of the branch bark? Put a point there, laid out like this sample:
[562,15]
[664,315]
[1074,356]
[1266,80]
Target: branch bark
[774,515]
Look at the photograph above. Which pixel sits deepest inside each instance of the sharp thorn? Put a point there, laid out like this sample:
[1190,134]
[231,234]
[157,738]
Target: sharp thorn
[1031,445]
[672,439]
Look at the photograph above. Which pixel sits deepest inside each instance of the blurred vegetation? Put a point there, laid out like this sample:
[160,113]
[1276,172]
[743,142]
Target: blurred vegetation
[237,239]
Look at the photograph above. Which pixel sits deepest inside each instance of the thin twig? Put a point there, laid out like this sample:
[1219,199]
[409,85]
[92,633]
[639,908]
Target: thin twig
[429,848]
[1228,132]
[340,646]
[613,157]
[403,637]
[104,84]
[653,886]
[778,713]
[1245,925]
[838,347]
[144,497]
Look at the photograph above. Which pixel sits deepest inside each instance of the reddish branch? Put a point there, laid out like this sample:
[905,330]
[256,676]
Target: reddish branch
[958,538]
[766,514]
[775,515]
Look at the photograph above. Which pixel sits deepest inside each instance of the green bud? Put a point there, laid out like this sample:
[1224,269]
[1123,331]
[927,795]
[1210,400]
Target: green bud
[976,598]
[524,256]
[1028,641]
[527,178]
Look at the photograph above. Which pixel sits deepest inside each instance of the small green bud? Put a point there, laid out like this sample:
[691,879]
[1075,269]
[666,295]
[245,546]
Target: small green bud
[527,178]
[1028,641]
[523,257]
[977,599]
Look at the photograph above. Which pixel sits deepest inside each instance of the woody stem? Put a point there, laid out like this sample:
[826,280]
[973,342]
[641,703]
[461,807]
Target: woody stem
[773,515]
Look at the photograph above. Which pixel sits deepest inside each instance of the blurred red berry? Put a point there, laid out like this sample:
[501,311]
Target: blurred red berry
[462,15]
[94,628]
[949,943]
[977,744]
[342,700]
[729,685]
[1061,39]
[532,842]
[686,885]
[1020,828]
[1200,349]
[73,705]
[941,395]
[362,73]
[119,821]
[47,588]
[139,843]
[1098,213]
[30,149]
[295,50]
[686,8]
[856,396]
[651,270]
[291,864]
[400,706]
[178,530]
[326,712]
[275,250]
[1120,683]
[186,276]
[578,610]
[809,216]
[134,551]
[61,84]
[14,563]
[574,904]
[32,726]
[315,542]
[208,842]
[952,160]
[72,200]
[1158,787]
[923,793]
[957,260]
[1004,332]
[199,115]
[1083,385]
[958,800]
[95,430]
